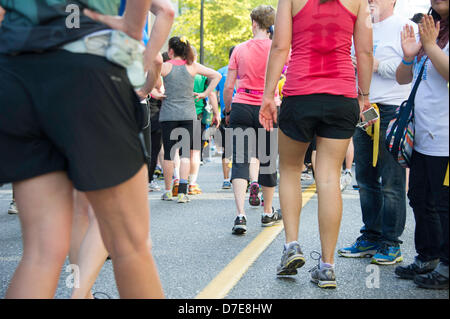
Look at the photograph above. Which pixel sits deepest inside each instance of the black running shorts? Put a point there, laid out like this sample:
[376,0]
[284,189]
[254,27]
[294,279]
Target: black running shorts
[330,116]
[182,135]
[61,111]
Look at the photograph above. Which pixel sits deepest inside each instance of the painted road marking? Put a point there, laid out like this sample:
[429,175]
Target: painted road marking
[222,284]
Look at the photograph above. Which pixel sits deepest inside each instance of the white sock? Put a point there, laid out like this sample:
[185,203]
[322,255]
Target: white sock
[287,245]
[322,265]
[241,215]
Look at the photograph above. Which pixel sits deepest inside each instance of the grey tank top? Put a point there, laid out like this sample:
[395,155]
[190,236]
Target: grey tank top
[179,104]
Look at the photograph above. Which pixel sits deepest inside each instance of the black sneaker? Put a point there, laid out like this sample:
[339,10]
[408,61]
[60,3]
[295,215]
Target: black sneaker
[416,268]
[432,280]
[291,259]
[270,220]
[240,225]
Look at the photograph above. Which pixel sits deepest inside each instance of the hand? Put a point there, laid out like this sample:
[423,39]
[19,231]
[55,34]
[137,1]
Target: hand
[227,120]
[409,44]
[2,14]
[364,105]
[428,31]
[141,94]
[216,120]
[376,64]
[268,113]
[200,96]
[158,95]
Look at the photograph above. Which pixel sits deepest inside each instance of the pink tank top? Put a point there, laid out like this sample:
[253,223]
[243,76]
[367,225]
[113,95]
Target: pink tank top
[321,46]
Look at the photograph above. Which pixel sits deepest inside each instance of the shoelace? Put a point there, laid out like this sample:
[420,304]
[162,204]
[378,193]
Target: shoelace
[312,254]
[95,294]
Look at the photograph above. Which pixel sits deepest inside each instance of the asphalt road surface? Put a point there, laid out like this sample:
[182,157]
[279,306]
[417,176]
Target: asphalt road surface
[193,245]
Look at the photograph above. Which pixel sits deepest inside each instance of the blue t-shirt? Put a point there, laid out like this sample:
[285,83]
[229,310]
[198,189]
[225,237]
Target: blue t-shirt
[221,87]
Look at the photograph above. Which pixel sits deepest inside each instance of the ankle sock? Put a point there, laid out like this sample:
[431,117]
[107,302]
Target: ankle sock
[325,265]
[288,245]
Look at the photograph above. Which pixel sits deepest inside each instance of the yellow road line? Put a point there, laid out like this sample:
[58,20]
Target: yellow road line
[221,285]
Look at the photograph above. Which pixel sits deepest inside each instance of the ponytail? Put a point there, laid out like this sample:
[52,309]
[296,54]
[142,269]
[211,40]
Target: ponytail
[182,48]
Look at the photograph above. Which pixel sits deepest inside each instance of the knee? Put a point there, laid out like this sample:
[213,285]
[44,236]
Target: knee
[134,245]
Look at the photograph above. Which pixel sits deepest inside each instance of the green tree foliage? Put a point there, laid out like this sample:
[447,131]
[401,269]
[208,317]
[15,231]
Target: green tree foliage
[227,23]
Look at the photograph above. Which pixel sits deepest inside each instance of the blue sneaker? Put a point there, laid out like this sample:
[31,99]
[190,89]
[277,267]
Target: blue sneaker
[387,255]
[226,185]
[360,249]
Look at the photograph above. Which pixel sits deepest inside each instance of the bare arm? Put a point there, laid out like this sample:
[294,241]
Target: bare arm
[213,76]
[281,45]
[215,107]
[363,40]
[428,36]
[2,15]
[278,56]
[411,48]
[229,89]
[132,22]
[164,13]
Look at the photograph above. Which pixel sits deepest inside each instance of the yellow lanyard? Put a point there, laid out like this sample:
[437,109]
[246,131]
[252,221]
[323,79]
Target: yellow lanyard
[446,178]
[374,132]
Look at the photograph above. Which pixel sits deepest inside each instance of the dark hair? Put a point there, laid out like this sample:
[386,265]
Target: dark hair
[182,49]
[442,38]
[231,51]
[165,57]
[417,17]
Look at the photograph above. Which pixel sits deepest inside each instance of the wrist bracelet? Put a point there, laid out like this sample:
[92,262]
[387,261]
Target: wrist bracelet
[364,94]
[227,113]
[407,63]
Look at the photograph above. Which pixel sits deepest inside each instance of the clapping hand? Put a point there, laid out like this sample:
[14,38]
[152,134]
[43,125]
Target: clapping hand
[428,31]
[409,44]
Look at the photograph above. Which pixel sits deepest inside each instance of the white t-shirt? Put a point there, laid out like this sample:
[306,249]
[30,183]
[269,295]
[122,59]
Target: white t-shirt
[431,111]
[387,48]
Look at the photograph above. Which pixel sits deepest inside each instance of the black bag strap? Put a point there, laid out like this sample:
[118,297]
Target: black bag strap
[412,96]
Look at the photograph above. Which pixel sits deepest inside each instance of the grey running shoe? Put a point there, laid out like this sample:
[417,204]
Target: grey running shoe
[167,196]
[12,210]
[240,225]
[323,277]
[291,259]
[183,198]
[270,220]
[416,268]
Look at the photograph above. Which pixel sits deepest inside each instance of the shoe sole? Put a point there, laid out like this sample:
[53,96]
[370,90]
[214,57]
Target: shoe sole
[271,223]
[254,199]
[325,284]
[390,262]
[404,276]
[426,286]
[366,254]
[239,230]
[12,212]
[291,266]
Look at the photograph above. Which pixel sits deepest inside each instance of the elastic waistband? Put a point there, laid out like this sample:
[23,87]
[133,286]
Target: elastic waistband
[248,91]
